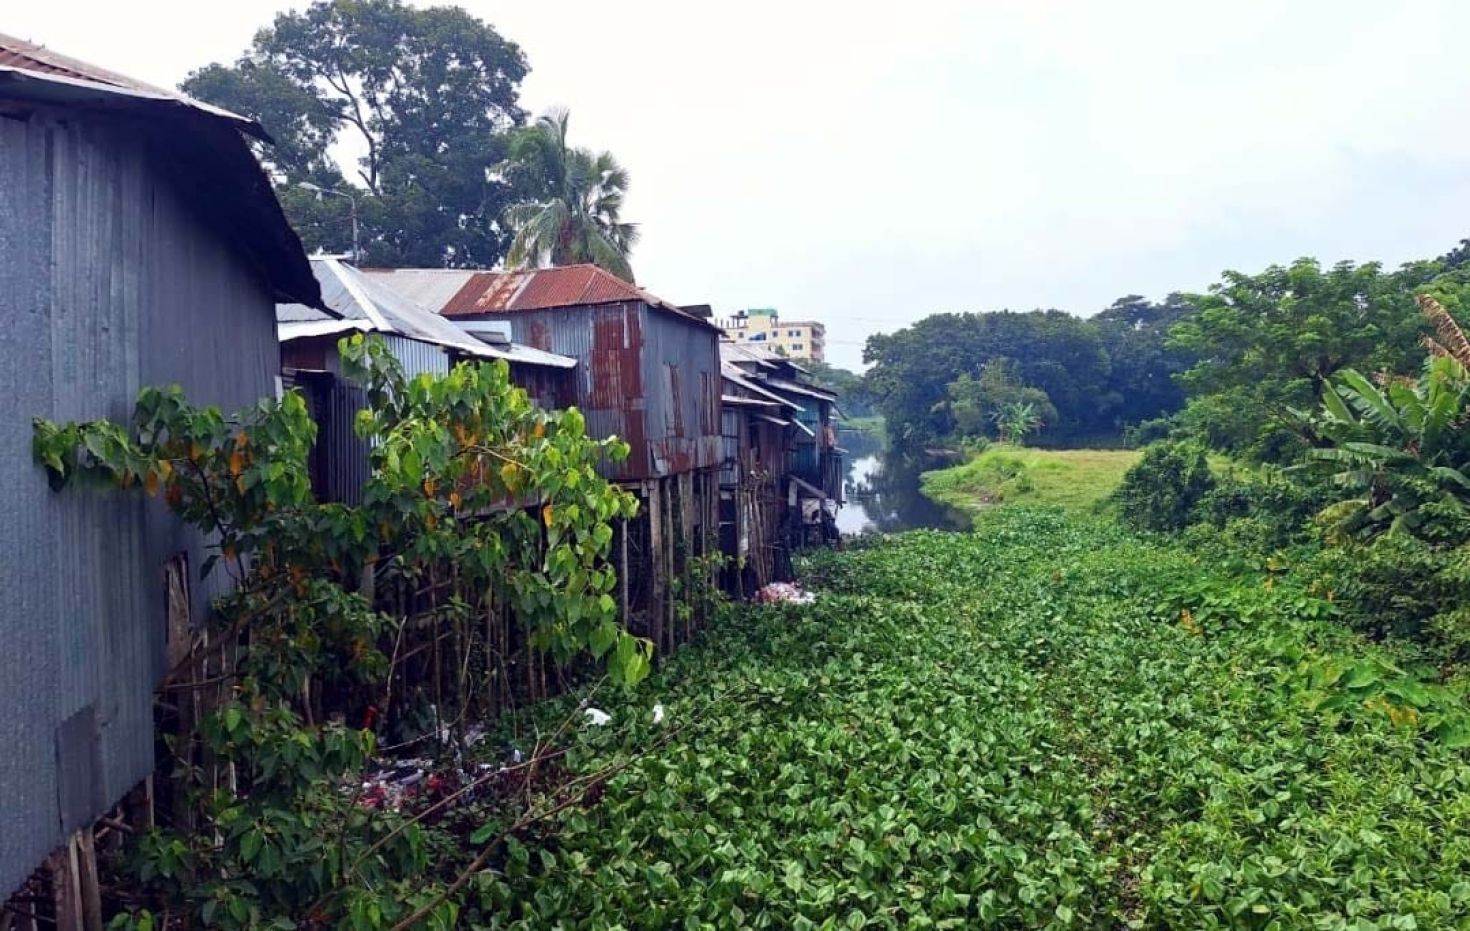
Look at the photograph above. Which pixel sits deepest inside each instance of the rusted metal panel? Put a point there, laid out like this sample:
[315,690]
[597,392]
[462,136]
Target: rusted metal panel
[624,351]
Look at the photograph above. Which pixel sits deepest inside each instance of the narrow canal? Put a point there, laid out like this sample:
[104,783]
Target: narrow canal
[883,495]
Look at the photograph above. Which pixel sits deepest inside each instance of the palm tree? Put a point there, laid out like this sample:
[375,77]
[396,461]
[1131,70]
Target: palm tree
[573,216]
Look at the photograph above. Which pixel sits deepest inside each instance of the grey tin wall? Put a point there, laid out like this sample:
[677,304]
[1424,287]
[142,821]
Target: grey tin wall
[651,378]
[107,283]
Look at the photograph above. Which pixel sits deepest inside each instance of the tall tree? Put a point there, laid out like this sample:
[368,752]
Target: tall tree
[1141,382]
[424,99]
[573,211]
[1267,344]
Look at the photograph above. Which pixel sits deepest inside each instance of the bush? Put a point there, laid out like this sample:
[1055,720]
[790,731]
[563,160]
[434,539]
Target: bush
[1148,432]
[1279,505]
[1160,492]
[1401,587]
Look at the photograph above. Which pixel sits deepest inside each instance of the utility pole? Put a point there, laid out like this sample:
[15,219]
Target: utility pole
[352,202]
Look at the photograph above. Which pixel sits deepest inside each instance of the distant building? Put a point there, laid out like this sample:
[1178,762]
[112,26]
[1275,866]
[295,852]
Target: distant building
[795,339]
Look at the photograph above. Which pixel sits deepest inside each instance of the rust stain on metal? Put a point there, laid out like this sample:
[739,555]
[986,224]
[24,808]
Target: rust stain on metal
[540,336]
[548,288]
[676,400]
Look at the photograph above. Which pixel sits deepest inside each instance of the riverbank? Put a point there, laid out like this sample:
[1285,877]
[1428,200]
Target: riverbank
[1073,479]
[1045,723]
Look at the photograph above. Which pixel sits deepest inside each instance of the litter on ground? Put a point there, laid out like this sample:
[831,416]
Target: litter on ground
[784,592]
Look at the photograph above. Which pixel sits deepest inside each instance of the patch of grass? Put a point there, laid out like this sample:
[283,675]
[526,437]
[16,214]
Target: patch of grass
[1074,479]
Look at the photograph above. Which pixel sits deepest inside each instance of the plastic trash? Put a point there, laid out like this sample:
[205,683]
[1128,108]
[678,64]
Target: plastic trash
[784,593]
[597,717]
[658,714]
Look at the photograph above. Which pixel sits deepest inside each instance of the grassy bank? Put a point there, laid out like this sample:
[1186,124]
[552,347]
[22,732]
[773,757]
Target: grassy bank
[1075,479]
[1046,723]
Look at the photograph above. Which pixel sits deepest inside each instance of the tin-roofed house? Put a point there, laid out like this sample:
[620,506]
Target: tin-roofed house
[648,372]
[812,482]
[755,433]
[140,244]
[421,341]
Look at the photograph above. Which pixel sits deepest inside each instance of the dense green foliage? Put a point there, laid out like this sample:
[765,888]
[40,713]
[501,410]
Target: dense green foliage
[1270,343]
[1046,723]
[1163,489]
[279,839]
[1396,452]
[1088,378]
[986,406]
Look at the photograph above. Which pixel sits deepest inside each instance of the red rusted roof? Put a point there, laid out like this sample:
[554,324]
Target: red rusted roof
[545,288]
[23,56]
[18,53]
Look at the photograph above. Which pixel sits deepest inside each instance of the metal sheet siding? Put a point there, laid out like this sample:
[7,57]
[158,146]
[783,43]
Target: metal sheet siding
[416,357]
[687,414]
[107,283]
[649,377]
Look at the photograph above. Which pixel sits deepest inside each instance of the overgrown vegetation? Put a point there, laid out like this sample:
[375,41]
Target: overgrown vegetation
[476,569]
[1371,482]
[1047,723]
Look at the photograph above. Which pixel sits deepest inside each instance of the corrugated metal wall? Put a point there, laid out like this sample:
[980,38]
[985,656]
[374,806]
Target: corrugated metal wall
[416,357]
[107,283]
[648,377]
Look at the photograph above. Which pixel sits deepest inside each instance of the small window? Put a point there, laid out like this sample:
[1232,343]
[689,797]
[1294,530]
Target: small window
[796,346]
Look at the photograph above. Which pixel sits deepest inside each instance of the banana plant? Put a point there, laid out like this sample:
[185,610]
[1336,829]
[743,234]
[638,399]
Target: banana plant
[1398,448]
[1016,421]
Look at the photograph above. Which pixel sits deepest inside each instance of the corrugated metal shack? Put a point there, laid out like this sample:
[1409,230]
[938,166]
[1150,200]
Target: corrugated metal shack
[755,434]
[648,371]
[140,244]
[418,338]
[811,475]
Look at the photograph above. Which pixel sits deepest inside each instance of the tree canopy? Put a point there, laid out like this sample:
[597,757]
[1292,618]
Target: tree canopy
[424,100]
[1060,355]
[1267,344]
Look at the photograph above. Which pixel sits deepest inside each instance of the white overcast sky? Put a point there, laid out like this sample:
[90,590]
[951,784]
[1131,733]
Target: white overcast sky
[867,164]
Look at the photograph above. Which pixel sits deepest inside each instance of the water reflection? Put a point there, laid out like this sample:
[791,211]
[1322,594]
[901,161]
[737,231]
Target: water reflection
[882,492]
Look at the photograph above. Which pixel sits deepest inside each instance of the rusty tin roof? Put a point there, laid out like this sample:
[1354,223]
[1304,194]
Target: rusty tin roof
[463,292]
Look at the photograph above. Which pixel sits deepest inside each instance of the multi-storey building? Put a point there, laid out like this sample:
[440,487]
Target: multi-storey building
[795,339]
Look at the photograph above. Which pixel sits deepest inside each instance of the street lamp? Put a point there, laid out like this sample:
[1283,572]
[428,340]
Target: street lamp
[308,186]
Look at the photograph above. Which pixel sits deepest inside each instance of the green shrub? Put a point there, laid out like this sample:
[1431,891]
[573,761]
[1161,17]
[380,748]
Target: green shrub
[1160,492]
[1279,505]
[1148,432]
[1398,586]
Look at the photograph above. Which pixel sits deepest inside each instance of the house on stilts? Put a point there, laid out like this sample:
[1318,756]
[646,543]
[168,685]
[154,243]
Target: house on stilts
[648,371]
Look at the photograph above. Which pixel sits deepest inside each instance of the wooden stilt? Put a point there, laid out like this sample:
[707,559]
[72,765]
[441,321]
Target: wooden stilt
[66,892]
[656,563]
[88,887]
[623,570]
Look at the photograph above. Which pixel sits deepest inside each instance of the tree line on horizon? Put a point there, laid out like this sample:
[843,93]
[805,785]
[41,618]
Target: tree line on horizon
[1226,366]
